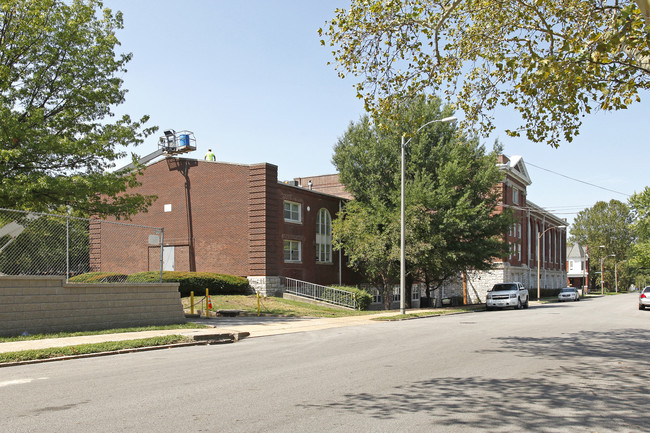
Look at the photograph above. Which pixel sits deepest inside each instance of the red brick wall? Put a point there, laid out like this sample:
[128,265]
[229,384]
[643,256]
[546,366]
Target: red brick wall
[328,184]
[214,225]
[234,222]
[309,269]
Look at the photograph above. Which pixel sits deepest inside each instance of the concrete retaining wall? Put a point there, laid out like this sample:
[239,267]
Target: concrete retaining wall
[47,304]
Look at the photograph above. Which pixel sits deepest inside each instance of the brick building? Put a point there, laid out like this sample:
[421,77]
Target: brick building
[533,226]
[238,219]
[535,230]
[234,219]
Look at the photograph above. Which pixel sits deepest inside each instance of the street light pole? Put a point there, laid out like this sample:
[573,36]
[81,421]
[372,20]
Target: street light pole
[402,258]
[402,244]
[539,241]
[602,276]
[602,273]
[615,273]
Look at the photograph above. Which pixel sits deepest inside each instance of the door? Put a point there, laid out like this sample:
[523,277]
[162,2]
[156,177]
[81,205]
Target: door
[169,263]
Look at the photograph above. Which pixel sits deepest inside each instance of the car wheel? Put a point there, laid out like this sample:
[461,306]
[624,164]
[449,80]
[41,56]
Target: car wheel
[641,307]
[526,304]
[488,308]
[518,307]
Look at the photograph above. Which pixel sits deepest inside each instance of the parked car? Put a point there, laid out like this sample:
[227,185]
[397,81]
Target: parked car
[503,295]
[568,294]
[644,298]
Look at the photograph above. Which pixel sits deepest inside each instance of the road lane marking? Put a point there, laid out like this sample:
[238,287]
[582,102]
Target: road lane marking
[20,381]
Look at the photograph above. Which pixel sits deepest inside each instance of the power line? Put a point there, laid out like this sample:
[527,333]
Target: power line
[577,180]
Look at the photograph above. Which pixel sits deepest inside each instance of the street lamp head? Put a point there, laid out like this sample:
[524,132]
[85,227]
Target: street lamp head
[448,119]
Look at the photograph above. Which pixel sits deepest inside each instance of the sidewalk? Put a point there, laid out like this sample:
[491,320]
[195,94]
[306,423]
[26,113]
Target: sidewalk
[237,327]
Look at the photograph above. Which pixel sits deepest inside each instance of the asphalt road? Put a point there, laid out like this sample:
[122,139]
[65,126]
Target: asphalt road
[573,367]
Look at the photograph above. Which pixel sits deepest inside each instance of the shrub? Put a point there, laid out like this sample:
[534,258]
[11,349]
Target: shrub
[197,282]
[99,277]
[362,298]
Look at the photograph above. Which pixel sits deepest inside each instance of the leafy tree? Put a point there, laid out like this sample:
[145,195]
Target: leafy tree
[606,224]
[369,234]
[450,198]
[59,79]
[640,207]
[553,60]
[43,245]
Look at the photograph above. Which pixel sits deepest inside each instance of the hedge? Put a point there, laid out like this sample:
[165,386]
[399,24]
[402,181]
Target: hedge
[99,277]
[217,284]
[363,298]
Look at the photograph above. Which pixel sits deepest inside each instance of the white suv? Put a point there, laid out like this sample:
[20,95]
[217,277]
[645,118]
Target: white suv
[504,295]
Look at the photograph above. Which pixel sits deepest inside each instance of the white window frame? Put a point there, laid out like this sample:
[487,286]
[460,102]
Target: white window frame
[292,251]
[294,212]
[323,236]
[515,195]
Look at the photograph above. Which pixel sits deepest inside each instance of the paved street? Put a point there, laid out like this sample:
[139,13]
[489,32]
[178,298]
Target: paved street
[573,367]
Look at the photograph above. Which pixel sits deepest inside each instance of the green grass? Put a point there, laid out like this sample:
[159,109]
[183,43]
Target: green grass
[99,332]
[84,349]
[270,306]
[432,313]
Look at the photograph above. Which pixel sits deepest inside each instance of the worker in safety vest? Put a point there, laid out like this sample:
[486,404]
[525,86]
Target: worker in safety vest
[210,156]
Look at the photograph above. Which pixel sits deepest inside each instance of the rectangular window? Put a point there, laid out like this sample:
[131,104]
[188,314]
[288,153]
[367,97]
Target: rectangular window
[292,212]
[292,251]
[323,237]
[515,195]
[376,297]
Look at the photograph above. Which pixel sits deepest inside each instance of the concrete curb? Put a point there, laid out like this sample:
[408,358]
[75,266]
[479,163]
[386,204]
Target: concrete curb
[199,340]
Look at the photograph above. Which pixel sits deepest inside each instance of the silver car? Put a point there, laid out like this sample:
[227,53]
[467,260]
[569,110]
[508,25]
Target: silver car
[568,294]
[644,298]
[503,295]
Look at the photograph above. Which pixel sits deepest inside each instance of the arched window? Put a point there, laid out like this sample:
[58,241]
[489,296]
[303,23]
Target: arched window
[323,237]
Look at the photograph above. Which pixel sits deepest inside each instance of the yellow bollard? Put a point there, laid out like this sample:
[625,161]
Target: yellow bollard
[191,302]
[207,303]
[258,303]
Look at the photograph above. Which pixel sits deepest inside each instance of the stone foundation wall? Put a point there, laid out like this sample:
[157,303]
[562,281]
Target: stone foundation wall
[47,304]
[478,283]
[266,285]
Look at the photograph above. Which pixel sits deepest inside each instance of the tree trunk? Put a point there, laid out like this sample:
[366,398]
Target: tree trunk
[644,5]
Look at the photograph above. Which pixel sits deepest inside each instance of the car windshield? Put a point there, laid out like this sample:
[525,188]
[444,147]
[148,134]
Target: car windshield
[504,287]
[567,290]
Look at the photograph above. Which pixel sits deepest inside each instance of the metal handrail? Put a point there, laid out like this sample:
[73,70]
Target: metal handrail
[317,292]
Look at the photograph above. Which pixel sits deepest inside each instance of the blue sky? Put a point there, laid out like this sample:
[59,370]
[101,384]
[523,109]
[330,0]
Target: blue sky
[251,80]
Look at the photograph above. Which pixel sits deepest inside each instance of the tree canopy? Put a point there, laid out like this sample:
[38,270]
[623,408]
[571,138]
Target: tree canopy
[640,207]
[554,61]
[451,224]
[60,78]
[606,224]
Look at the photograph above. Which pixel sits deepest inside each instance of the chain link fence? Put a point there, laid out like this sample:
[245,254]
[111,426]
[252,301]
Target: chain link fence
[82,250]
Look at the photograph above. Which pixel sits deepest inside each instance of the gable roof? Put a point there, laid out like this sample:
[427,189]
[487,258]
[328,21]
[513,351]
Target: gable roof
[516,167]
